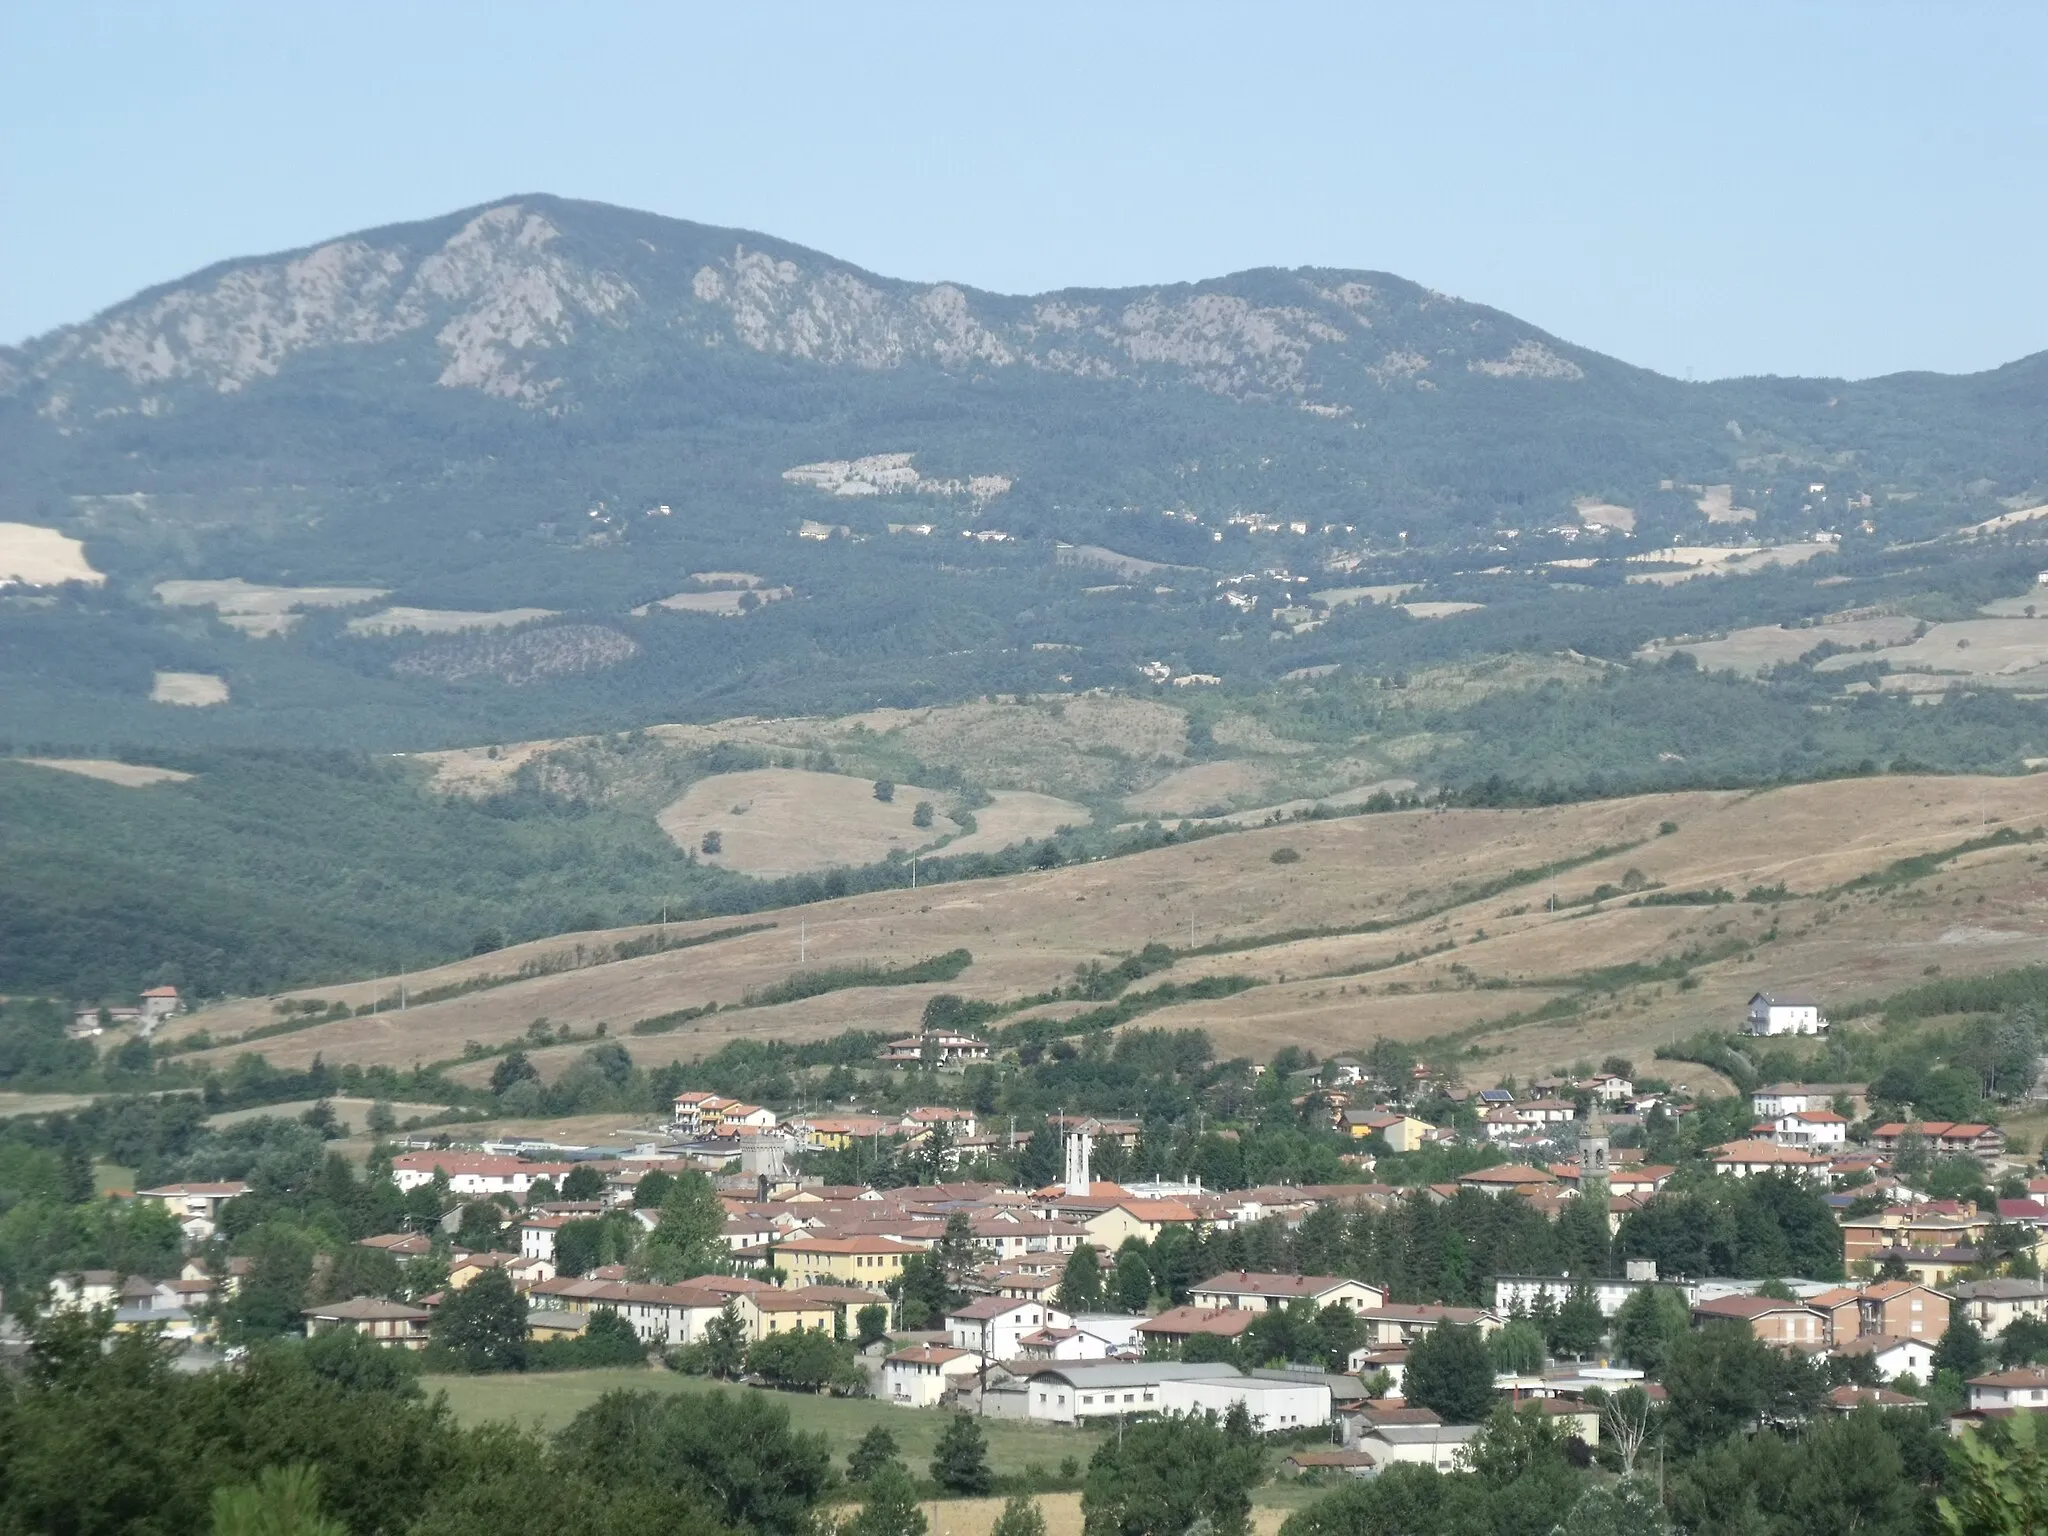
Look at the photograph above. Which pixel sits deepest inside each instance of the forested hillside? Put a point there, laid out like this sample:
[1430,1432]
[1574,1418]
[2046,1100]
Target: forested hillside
[532,420]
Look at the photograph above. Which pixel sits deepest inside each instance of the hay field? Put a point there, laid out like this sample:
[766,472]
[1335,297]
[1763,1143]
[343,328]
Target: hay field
[2028,605]
[442,621]
[1439,610]
[1014,815]
[1595,513]
[725,602]
[1194,789]
[1421,875]
[258,609]
[1751,651]
[352,1114]
[1337,597]
[1719,560]
[194,689]
[43,557]
[550,1399]
[786,821]
[1978,648]
[127,775]
[1717,503]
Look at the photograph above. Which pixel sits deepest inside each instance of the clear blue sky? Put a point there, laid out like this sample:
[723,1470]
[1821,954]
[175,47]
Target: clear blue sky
[1715,188]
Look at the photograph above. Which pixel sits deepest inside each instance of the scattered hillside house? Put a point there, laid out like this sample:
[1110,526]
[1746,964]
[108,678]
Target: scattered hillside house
[1893,1358]
[1785,1323]
[1009,1237]
[391,1324]
[1747,1158]
[549,1323]
[1429,1445]
[1522,1293]
[84,1290]
[1403,1323]
[1784,1013]
[2026,1387]
[1275,1405]
[1814,1130]
[1071,1394]
[474,1173]
[1930,1266]
[1994,1305]
[994,1325]
[1849,1399]
[660,1314]
[1508,1179]
[1545,1112]
[836,1133]
[747,1117]
[1775,1099]
[159,1305]
[1330,1463]
[196,1207]
[1611,1088]
[927,1117]
[1252,1291]
[772,1311]
[402,1246]
[1097,1337]
[160,1003]
[921,1377]
[1176,1325]
[940,1048]
[1970,1136]
[1402,1133]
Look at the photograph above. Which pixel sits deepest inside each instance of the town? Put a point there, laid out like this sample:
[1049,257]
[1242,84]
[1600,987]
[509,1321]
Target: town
[1594,1226]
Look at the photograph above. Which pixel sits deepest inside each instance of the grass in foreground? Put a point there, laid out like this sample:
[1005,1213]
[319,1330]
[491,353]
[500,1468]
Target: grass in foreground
[550,1399]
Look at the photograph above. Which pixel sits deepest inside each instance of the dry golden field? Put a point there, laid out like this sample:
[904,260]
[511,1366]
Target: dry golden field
[1447,958]
[783,821]
[127,775]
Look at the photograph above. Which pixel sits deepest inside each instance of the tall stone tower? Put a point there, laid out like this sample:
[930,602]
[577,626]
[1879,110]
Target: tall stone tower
[1593,1147]
[1080,1147]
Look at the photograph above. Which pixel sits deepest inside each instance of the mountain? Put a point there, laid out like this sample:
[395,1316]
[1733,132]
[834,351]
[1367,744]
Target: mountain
[560,415]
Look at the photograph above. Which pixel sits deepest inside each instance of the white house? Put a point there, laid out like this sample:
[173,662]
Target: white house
[1516,1294]
[196,1206]
[473,1173]
[2026,1387]
[1070,1394]
[82,1290]
[1993,1305]
[1816,1130]
[921,1377]
[748,1117]
[1893,1357]
[1428,1445]
[1265,1292]
[1775,1099]
[1273,1405]
[995,1325]
[1784,1013]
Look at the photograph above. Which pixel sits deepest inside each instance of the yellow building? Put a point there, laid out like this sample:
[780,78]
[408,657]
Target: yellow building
[868,1262]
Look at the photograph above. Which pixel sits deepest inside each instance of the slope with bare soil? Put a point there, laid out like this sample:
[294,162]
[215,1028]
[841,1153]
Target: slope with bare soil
[1418,925]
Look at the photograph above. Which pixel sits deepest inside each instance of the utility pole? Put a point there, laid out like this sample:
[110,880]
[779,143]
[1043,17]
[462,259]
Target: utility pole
[803,943]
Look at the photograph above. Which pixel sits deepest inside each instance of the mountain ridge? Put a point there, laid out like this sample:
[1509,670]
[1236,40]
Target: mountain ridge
[565,410]
[534,270]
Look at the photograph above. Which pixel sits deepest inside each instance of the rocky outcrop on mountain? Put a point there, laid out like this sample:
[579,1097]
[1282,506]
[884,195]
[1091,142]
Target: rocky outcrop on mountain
[534,300]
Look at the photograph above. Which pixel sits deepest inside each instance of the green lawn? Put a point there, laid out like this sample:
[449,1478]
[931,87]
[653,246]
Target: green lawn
[550,1399]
